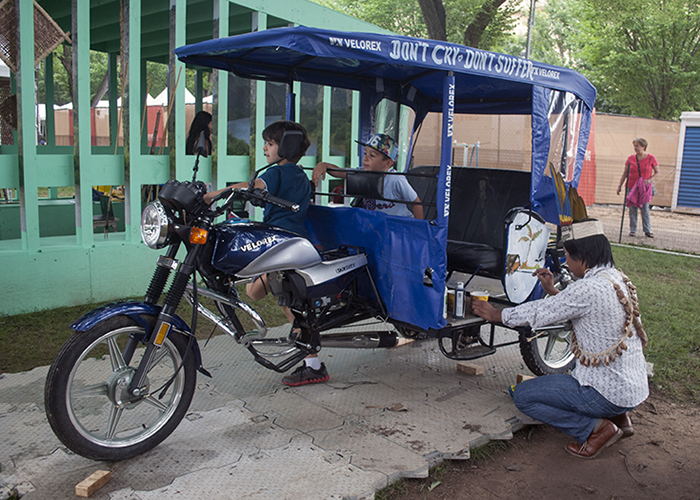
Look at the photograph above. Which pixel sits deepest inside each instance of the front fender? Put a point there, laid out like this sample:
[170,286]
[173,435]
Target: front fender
[134,310]
[129,308]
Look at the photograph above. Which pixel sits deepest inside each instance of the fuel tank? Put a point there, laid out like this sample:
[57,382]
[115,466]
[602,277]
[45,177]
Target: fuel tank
[247,248]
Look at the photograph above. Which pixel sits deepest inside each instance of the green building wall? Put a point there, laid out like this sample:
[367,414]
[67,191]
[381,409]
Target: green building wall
[49,254]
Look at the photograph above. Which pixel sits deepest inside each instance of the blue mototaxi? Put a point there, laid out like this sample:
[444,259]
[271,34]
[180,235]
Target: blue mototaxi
[483,221]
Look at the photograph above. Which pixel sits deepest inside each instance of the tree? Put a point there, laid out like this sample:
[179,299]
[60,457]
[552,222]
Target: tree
[477,23]
[642,55]
[99,77]
[553,38]
[63,76]
[400,16]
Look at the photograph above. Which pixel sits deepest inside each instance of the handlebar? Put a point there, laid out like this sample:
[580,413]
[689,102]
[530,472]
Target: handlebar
[223,194]
[258,197]
[264,196]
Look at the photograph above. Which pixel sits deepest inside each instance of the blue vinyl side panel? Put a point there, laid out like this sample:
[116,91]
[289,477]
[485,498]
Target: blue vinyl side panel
[399,250]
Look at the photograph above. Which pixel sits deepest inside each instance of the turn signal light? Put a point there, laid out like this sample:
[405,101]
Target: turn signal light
[198,236]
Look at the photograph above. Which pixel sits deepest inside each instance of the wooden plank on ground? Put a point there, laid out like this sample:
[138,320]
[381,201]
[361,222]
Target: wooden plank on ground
[90,485]
[470,368]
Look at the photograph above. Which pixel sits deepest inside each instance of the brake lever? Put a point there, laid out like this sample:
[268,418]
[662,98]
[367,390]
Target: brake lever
[226,192]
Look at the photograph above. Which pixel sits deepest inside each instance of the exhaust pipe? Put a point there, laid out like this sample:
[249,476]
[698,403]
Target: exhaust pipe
[365,340]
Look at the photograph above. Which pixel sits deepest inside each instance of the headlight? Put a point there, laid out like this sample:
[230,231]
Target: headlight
[154,225]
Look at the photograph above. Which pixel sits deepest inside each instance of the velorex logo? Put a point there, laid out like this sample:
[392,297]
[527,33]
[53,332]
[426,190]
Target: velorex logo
[254,245]
[353,43]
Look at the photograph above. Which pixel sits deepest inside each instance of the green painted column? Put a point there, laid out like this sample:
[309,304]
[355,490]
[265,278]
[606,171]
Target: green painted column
[198,94]
[296,89]
[256,142]
[13,90]
[26,136]
[355,130]
[325,143]
[81,122]
[326,128]
[131,119]
[50,117]
[220,101]
[143,101]
[177,136]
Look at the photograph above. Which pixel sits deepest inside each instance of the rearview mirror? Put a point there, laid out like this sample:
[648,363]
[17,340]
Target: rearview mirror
[201,148]
[289,145]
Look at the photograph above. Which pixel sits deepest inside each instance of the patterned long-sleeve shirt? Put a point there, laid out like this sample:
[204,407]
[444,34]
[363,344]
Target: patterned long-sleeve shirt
[598,319]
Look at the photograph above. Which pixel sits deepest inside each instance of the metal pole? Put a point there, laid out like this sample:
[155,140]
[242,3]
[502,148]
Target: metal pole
[622,222]
[530,23]
[624,204]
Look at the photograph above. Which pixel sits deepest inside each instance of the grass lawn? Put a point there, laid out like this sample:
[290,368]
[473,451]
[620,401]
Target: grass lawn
[665,284]
[33,339]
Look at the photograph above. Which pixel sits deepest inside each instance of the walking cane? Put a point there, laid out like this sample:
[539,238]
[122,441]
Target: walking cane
[624,204]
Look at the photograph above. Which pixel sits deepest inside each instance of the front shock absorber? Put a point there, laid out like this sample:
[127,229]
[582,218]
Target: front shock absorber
[155,288]
[160,278]
[177,290]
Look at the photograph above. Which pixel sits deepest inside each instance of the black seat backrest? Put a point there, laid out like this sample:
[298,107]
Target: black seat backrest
[480,200]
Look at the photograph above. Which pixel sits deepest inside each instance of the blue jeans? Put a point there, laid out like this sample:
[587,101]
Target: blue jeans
[646,219]
[560,401]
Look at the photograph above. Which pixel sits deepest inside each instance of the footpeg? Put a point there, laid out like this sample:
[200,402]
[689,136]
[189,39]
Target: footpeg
[471,352]
[465,344]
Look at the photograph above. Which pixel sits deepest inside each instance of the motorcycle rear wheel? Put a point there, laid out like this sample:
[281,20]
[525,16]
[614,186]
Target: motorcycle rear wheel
[86,397]
[550,352]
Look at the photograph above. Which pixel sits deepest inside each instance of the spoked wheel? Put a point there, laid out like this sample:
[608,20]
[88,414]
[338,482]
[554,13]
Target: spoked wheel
[549,352]
[87,400]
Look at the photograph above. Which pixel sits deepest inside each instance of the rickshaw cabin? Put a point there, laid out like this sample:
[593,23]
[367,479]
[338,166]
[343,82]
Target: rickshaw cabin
[410,259]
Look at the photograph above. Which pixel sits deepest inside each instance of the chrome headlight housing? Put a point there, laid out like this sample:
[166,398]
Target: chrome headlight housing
[154,225]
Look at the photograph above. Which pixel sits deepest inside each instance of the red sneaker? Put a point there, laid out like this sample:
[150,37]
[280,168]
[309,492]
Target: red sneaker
[306,375]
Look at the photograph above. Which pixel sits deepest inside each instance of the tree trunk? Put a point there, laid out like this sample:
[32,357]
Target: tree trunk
[104,84]
[67,62]
[472,35]
[434,17]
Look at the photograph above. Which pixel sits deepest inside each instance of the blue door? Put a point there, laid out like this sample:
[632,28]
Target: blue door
[689,185]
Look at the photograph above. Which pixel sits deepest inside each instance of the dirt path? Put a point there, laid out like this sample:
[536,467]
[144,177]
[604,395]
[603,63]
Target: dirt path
[658,462]
[672,231]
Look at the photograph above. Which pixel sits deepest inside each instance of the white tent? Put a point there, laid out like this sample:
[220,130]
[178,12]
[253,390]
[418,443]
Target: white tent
[150,101]
[162,98]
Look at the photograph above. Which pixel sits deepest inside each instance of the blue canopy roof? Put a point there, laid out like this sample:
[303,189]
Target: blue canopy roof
[486,82]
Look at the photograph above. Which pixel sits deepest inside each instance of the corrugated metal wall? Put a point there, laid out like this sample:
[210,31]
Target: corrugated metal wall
[689,185]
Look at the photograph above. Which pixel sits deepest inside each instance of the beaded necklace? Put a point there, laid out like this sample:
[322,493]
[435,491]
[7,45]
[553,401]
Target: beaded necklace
[631,306]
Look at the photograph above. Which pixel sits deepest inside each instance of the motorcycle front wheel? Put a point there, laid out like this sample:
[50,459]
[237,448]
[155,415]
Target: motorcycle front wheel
[86,393]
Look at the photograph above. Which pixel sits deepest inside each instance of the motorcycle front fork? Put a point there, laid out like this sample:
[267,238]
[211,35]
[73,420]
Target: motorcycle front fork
[183,272]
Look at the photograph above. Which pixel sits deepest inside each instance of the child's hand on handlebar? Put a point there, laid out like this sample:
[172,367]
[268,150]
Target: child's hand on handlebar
[212,196]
